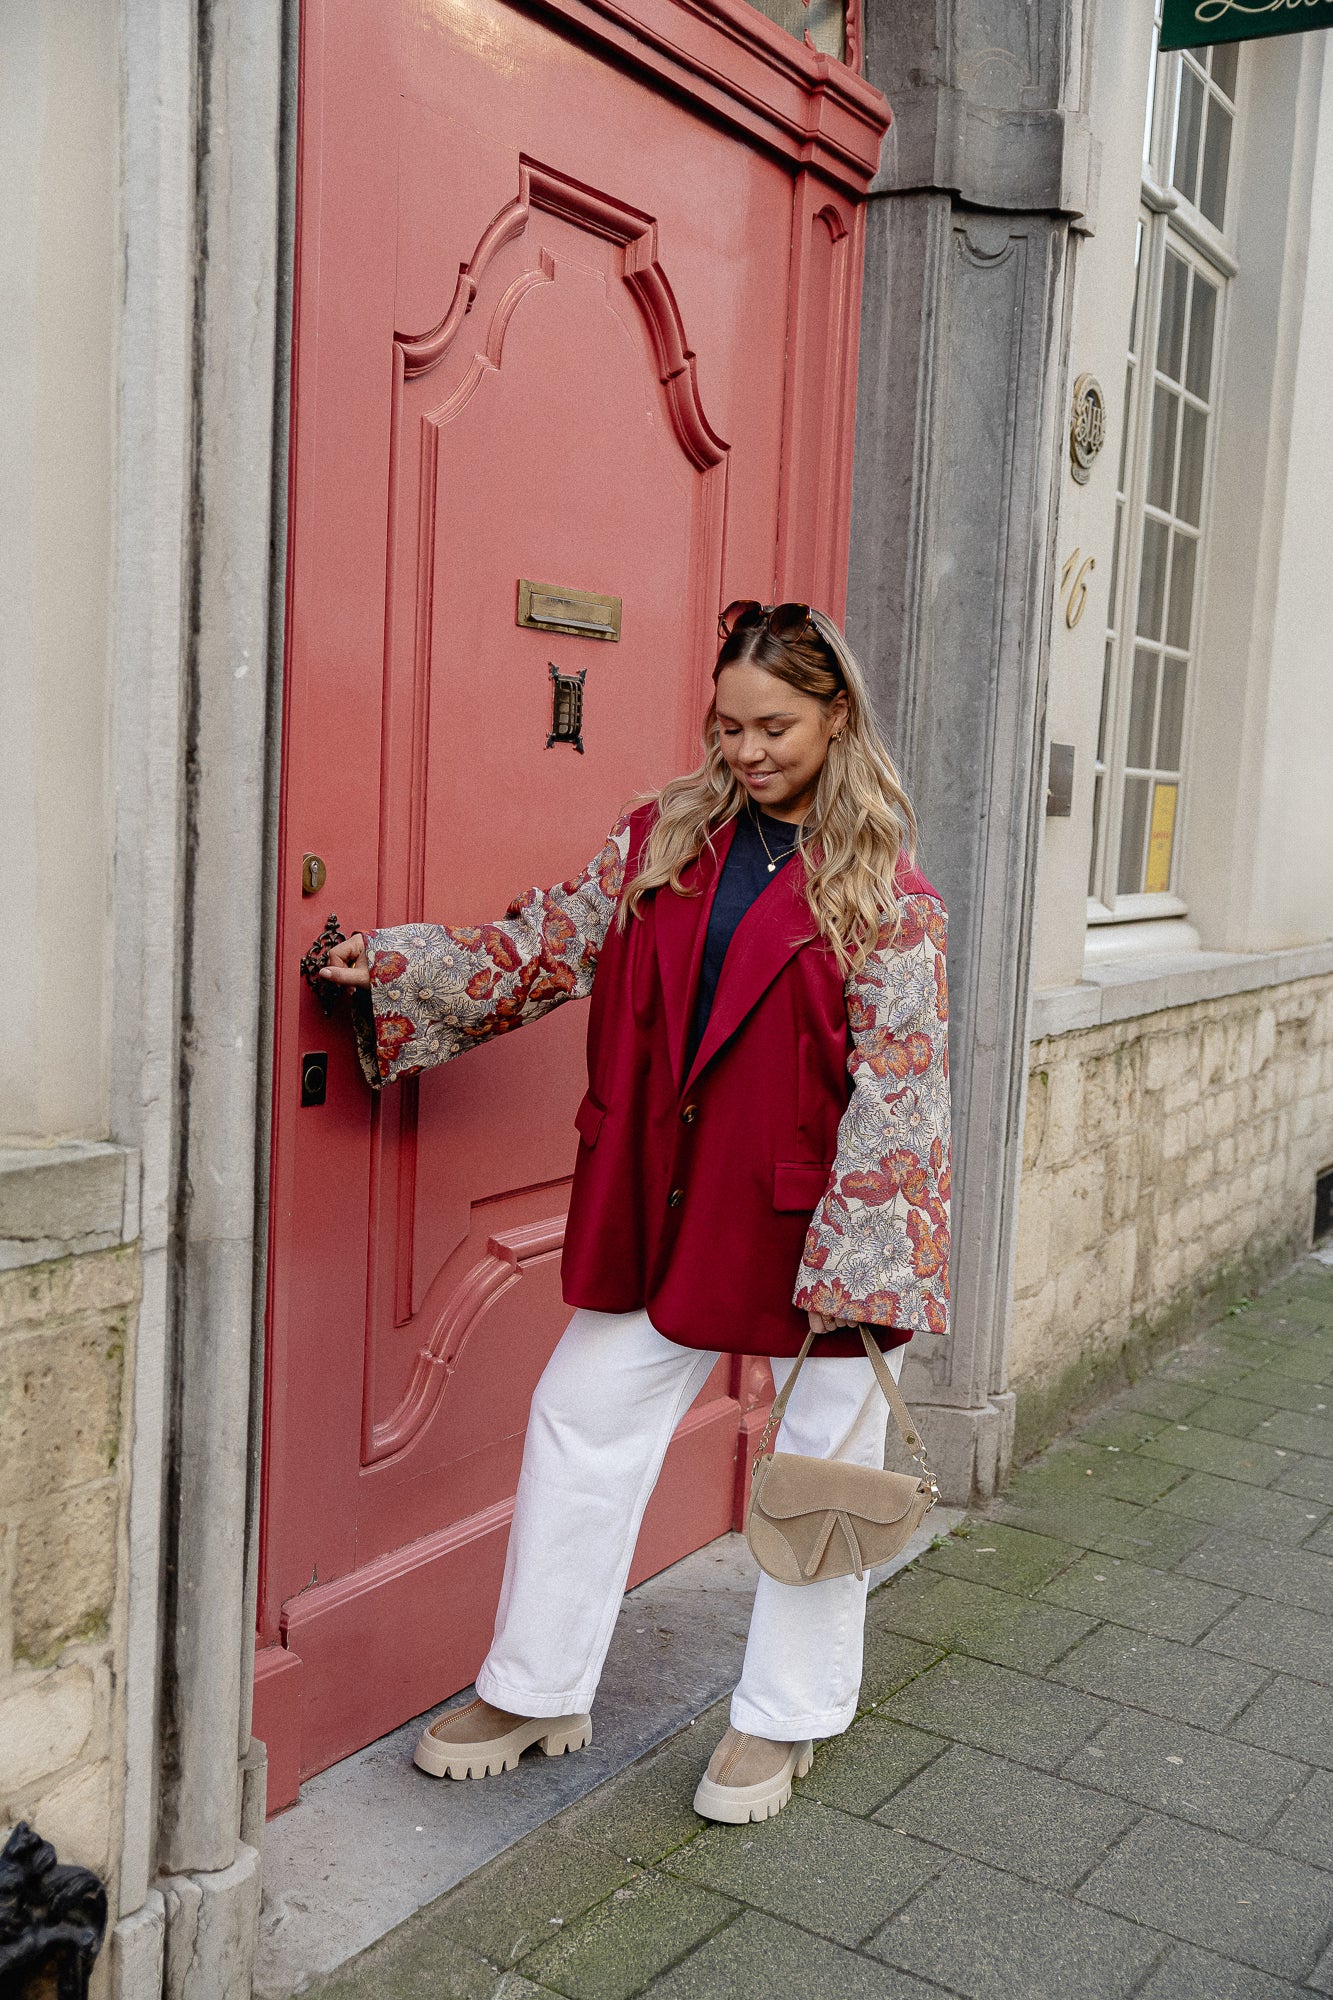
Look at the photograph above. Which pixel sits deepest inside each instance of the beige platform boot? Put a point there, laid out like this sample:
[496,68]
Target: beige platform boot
[479,1741]
[750,1778]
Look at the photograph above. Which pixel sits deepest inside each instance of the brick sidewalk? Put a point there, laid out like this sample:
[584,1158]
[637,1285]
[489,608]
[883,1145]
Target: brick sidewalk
[1095,1756]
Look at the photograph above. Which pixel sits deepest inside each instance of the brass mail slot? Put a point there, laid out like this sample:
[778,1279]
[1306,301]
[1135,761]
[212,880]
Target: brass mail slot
[583,613]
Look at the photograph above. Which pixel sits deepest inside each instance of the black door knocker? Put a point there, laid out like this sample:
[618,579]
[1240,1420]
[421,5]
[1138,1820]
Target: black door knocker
[314,961]
[567,707]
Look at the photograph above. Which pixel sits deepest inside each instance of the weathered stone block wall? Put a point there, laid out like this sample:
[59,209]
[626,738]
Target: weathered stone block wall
[1164,1157]
[64,1331]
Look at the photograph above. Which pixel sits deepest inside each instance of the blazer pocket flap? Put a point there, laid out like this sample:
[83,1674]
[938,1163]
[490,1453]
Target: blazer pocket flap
[794,1484]
[588,1119]
[800,1184]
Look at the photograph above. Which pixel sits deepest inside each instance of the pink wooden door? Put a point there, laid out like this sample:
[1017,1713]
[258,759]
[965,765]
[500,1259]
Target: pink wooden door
[553,322]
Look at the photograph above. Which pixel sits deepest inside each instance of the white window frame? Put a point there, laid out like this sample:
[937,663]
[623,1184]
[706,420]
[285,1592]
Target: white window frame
[1167,218]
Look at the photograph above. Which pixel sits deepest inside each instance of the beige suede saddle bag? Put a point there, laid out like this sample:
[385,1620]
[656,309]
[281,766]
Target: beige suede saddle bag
[812,1518]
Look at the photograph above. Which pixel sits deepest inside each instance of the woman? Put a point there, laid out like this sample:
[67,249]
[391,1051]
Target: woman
[764,1153]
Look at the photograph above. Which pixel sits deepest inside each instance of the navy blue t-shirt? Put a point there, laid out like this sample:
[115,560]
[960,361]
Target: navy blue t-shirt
[745,875]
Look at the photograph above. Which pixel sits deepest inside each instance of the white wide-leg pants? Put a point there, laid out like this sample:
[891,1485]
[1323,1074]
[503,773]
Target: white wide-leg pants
[602,1417]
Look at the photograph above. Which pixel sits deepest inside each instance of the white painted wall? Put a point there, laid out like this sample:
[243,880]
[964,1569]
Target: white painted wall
[1257,825]
[1104,274]
[59,300]
[1292,884]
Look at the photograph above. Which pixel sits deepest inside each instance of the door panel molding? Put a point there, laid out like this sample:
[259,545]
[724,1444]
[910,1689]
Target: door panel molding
[823,311]
[749,73]
[543,188]
[487,1280]
[491,352]
[420,422]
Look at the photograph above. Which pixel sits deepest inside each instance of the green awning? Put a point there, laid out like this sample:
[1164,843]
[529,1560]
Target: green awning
[1191,24]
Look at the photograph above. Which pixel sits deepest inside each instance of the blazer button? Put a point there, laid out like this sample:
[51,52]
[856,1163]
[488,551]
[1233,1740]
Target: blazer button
[675,1198]
[689,1114]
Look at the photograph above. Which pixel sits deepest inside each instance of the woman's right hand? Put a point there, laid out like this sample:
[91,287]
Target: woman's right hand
[348,963]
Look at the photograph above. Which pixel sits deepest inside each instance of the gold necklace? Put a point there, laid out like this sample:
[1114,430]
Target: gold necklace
[772,859]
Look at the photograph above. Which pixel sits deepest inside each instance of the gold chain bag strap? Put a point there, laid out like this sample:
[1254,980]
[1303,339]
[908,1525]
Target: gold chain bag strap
[812,1518]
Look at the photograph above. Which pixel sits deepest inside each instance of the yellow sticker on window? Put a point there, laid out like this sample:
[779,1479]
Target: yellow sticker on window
[1161,837]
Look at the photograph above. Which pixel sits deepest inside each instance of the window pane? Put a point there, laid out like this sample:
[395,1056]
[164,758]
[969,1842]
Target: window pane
[1115,558]
[1124,426]
[1152,580]
[1182,590]
[1189,122]
[1099,783]
[1108,661]
[1216,157]
[1129,876]
[1203,316]
[1189,487]
[1138,287]
[1225,58]
[1162,462]
[1172,719]
[825,22]
[1171,332]
[1138,750]
[1161,838]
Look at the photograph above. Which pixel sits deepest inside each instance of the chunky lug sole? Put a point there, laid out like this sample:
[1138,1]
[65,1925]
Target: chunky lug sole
[737,1805]
[553,1734]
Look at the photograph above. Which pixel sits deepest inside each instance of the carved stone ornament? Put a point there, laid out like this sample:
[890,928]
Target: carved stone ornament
[1087,426]
[52,1920]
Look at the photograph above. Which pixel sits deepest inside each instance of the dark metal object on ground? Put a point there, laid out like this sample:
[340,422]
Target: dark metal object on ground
[52,1920]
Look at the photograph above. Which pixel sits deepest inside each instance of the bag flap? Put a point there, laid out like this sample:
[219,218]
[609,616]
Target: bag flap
[793,1484]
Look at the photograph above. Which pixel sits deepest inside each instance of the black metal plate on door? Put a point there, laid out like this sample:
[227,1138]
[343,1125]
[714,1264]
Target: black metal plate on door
[567,707]
[314,1077]
[1060,782]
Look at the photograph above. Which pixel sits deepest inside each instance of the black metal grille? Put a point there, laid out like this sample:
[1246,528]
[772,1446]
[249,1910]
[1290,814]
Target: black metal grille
[1323,1204]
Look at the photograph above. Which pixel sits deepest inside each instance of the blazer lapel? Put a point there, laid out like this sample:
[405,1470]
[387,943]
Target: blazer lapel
[776,926]
[681,925]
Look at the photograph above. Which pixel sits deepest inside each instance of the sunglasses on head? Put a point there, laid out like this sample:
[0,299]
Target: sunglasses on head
[785,621]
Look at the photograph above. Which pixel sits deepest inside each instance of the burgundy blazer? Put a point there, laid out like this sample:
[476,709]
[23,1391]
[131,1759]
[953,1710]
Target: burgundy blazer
[792,1166]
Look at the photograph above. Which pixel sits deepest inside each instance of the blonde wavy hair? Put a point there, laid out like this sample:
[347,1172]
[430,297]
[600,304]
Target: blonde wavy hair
[861,818]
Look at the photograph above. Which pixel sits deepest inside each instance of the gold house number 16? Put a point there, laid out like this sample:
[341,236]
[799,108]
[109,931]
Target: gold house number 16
[1079,567]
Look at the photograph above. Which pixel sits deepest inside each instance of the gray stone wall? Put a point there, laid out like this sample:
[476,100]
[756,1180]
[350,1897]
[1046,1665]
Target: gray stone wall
[1165,1157]
[66,1332]
[985,173]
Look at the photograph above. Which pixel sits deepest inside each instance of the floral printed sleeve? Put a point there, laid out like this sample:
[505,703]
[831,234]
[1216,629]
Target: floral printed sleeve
[878,1244]
[438,989]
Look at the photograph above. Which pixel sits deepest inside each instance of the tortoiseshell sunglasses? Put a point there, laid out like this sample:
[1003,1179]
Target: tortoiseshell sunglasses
[785,621]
